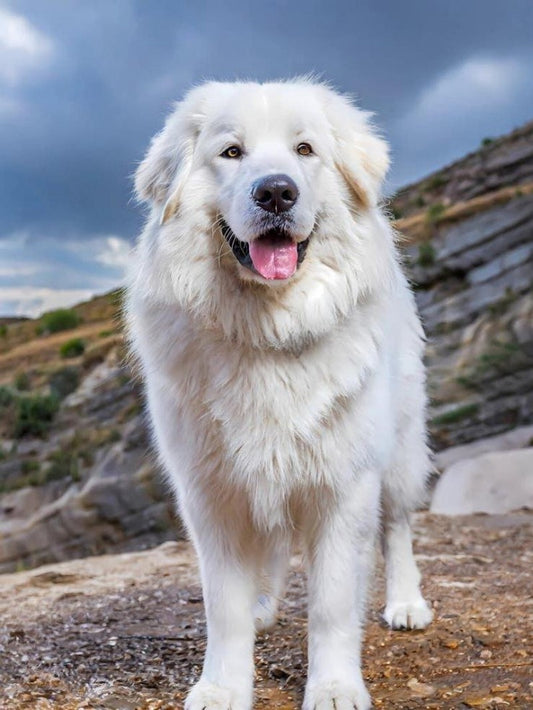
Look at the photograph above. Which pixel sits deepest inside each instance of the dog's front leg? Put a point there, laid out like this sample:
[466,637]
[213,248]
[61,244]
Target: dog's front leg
[229,593]
[341,556]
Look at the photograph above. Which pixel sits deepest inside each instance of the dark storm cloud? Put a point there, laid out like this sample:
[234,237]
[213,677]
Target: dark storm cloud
[75,122]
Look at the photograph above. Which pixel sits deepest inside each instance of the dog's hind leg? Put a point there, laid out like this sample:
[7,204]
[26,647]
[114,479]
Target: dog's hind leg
[406,608]
[403,489]
[272,582]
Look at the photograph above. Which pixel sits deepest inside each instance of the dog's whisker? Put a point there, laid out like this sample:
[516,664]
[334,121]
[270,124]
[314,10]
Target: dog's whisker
[222,251]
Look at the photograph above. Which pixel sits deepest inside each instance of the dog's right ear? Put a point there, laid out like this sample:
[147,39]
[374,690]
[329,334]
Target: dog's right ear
[160,177]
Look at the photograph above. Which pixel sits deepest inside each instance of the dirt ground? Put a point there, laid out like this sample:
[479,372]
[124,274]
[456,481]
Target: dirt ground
[126,632]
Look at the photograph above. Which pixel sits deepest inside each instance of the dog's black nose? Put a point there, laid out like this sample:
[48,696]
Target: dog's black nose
[275,193]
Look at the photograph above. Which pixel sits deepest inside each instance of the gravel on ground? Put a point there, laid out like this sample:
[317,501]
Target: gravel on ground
[127,632]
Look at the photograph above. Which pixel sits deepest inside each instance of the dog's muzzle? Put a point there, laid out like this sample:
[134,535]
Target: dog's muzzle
[274,255]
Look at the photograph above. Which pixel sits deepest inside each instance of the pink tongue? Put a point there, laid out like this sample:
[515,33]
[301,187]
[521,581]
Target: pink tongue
[273,258]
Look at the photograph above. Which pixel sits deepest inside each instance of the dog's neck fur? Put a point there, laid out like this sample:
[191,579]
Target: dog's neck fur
[201,277]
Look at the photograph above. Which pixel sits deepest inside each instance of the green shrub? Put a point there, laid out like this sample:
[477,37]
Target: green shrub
[6,396]
[30,466]
[433,183]
[35,414]
[435,212]
[22,382]
[486,141]
[105,333]
[426,254]
[56,321]
[64,381]
[468,382]
[500,357]
[62,464]
[456,415]
[72,348]
[3,330]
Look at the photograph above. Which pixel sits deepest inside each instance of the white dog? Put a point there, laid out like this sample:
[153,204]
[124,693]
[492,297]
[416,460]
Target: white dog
[281,350]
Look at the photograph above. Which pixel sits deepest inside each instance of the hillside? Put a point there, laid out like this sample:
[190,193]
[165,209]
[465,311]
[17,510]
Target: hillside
[469,252]
[501,162]
[76,473]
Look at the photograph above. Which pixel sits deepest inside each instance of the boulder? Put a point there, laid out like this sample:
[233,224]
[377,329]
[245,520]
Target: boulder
[497,482]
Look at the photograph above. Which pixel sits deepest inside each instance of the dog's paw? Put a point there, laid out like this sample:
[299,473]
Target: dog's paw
[408,615]
[207,696]
[336,696]
[265,613]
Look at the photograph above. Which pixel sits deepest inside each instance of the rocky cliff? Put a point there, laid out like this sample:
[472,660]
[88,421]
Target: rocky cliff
[76,472]
[469,251]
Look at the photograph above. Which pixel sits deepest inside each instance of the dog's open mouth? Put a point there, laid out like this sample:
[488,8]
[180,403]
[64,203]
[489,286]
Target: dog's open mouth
[272,255]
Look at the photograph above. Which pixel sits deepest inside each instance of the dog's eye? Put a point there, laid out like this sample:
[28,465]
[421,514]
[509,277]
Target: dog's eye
[232,152]
[304,149]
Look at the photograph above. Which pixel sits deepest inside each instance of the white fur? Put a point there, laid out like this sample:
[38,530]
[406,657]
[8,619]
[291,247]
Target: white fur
[288,410]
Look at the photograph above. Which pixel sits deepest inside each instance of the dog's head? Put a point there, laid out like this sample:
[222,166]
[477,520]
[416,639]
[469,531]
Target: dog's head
[270,165]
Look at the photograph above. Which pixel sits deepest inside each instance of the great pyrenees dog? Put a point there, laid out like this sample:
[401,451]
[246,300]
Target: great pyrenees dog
[281,351]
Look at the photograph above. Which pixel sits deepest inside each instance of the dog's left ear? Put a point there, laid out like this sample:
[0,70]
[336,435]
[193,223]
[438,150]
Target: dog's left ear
[361,155]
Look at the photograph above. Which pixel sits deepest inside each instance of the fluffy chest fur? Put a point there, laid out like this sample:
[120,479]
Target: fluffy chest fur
[267,422]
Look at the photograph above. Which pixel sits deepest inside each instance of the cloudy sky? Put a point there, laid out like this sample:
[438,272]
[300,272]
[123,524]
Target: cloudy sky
[85,83]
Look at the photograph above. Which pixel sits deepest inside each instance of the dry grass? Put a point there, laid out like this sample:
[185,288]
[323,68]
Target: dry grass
[101,309]
[41,353]
[417,229]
